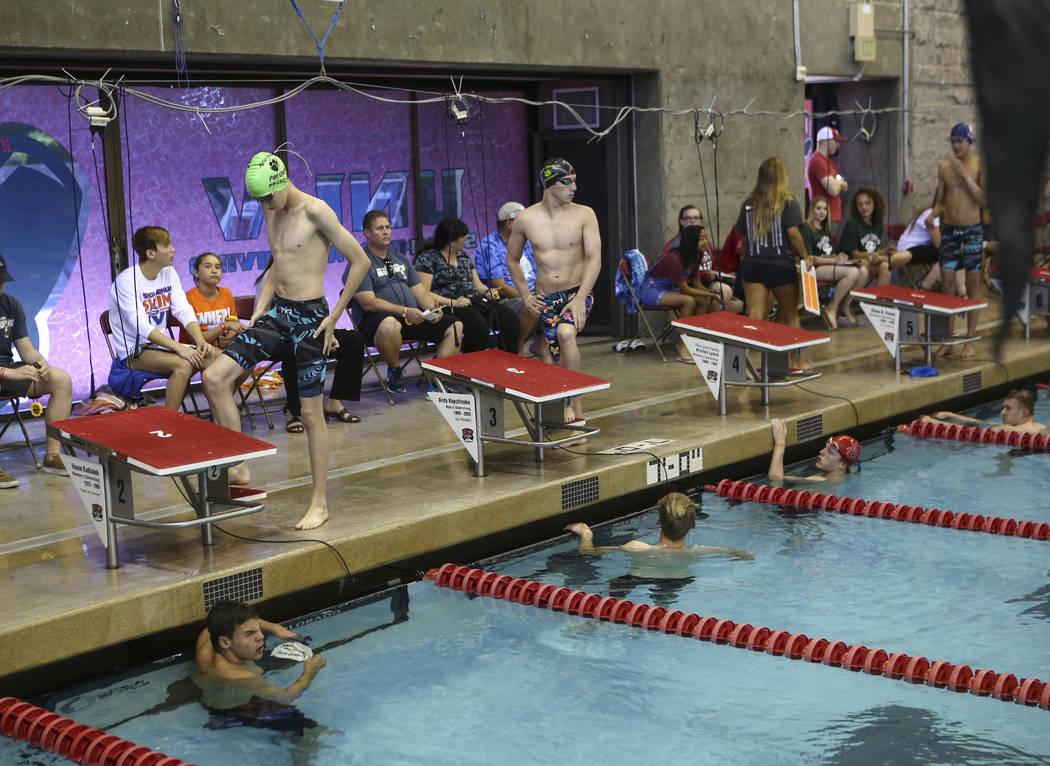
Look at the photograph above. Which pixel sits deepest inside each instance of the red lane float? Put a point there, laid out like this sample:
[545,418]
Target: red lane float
[976,434]
[80,743]
[939,674]
[873,508]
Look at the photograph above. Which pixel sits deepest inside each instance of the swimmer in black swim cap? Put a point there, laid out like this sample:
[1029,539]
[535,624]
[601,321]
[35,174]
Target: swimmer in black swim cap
[556,170]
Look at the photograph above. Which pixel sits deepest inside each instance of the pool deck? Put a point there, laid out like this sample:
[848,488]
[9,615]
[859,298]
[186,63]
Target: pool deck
[401,486]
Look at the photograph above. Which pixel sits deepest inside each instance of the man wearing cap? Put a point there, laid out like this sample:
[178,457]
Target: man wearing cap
[958,201]
[823,177]
[490,260]
[291,312]
[833,461]
[567,247]
[32,376]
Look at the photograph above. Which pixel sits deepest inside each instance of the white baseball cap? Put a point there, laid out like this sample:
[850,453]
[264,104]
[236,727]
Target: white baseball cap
[509,211]
[828,133]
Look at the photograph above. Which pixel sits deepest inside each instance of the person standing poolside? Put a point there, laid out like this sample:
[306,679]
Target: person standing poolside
[833,461]
[291,311]
[1016,412]
[823,177]
[567,247]
[960,196]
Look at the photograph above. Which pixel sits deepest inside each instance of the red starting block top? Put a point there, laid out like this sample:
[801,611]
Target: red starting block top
[935,303]
[529,379]
[1035,274]
[753,333]
[160,441]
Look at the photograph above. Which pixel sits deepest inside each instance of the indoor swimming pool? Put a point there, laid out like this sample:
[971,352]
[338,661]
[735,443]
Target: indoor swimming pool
[426,675]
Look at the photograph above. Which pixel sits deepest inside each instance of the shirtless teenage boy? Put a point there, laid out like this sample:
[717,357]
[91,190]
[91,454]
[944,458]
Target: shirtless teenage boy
[567,247]
[291,311]
[959,198]
[1016,412]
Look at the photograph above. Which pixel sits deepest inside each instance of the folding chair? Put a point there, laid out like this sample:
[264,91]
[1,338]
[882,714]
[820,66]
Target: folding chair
[13,401]
[411,349]
[630,272]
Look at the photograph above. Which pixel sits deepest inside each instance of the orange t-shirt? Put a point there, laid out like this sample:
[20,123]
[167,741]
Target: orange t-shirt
[210,314]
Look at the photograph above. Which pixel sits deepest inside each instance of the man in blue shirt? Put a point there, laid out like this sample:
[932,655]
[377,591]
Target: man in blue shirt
[490,260]
[391,304]
[32,376]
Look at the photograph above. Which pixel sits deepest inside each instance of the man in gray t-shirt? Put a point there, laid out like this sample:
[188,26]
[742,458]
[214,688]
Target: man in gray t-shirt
[391,304]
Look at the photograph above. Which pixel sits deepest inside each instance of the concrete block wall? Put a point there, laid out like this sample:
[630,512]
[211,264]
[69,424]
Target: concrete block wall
[684,53]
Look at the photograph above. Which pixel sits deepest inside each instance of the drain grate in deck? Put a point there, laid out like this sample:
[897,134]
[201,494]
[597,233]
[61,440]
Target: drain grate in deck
[242,586]
[580,492]
[809,428]
[971,382]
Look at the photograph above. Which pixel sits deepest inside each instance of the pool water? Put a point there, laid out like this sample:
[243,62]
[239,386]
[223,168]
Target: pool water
[423,675]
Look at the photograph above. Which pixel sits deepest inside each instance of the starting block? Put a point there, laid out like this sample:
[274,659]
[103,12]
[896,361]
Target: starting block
[494,376]
[719,344]
[1035,300]
[903,316]
[158,442]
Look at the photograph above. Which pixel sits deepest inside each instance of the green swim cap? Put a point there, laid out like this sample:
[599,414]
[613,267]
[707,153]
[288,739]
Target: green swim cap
[265,175]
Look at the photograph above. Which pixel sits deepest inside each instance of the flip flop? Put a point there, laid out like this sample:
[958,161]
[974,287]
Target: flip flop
[343,416]
[294,425]
[683,360]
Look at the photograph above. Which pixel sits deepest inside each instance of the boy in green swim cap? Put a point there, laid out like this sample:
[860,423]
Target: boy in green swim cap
[291,312]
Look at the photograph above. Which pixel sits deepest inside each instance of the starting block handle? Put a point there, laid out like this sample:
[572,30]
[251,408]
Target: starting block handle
[191,523]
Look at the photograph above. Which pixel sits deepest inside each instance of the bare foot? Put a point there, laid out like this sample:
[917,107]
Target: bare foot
[314,518]
[968,352]
[239,475]
[943,351]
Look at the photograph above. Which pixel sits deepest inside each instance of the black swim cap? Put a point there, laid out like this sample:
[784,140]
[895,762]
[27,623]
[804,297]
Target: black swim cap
[554,169]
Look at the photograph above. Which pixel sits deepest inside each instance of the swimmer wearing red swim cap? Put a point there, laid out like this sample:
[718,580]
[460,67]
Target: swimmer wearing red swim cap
[833,461]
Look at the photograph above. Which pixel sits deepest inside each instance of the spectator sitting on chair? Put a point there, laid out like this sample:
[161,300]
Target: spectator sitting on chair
[32,376]
[669,283]
[863,236]
[833,461]
[922,238]
[389,304]
[710,272]
[215,307]
[139,303]
[491,261]
[836,268]
[445,270]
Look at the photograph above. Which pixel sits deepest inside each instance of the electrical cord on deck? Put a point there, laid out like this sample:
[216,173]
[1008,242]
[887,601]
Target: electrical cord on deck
[258,540]
[856,414]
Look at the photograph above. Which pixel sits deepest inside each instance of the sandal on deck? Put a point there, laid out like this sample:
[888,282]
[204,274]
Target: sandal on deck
[343,416]
[294,425]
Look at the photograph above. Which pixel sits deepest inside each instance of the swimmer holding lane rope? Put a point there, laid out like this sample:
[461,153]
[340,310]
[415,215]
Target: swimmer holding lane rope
[833,461]
[1017,416]
[291,313]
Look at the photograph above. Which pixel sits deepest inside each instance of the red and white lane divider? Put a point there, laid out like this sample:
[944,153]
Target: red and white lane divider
[75,741]
[856,506]
[976,434]
[781,643]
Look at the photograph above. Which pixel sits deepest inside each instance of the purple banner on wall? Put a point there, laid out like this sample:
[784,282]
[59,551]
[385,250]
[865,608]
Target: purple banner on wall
[185,172]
